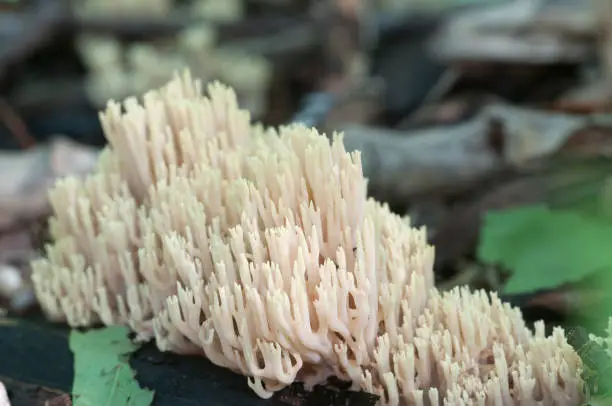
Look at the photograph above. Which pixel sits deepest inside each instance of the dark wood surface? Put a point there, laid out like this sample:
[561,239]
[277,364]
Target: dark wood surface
[36,364]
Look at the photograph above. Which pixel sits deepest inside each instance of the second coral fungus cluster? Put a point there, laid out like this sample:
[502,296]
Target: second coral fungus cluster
[259,249]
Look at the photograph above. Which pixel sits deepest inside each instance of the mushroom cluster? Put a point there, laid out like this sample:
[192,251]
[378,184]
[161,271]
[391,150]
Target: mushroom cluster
[259,249]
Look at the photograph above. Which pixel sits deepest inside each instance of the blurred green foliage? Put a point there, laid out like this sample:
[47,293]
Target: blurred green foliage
[545,249]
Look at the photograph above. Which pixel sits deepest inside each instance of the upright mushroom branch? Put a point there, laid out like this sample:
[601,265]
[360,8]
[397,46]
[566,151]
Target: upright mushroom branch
[258,249]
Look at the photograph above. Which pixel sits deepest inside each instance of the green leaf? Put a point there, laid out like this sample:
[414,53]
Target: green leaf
[102,374]
[543,248]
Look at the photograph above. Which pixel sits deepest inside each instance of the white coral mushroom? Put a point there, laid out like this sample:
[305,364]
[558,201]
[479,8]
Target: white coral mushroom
[259,250]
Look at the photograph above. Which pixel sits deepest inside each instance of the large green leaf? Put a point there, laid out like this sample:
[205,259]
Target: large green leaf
[102,374]
[545,249]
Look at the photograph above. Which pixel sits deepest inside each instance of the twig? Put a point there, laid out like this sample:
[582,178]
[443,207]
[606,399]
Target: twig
[15,125]
[603,9]
[141,27]
[465,277]
[446,82]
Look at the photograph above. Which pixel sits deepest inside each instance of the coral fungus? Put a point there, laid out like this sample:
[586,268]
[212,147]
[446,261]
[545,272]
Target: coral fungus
[259,249]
